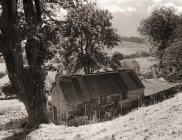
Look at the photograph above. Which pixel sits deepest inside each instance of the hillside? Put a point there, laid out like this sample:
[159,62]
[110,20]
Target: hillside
[128,48]
[161,121]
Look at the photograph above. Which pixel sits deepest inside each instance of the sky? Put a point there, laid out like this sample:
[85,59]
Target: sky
[128,13]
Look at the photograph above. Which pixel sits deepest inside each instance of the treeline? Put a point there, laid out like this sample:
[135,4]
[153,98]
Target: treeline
[133,39]
[163,31]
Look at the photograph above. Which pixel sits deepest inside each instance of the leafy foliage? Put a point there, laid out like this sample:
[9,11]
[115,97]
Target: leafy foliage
[87,32]
[159,27]
[171,62]
[115,61]
[163,30]
[8,90]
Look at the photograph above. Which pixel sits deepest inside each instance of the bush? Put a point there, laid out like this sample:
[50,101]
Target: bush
[78,120]
[115,60]
[9,90]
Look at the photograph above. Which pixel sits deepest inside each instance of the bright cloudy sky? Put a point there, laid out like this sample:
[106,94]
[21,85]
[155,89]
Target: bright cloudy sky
[128,13]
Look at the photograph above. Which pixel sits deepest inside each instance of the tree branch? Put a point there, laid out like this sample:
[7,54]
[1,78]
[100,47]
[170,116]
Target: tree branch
[38,10]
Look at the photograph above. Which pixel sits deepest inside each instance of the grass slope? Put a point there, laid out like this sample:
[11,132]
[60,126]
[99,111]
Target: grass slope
[10,111]
[161,121]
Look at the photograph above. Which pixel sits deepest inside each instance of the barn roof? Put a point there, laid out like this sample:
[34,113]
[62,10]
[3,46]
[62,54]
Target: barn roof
[153,86]
[90,86]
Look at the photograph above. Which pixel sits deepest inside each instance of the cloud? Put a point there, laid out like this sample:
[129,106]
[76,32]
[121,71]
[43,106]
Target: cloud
[114,8]
[137,5]
[131,9]
[170,4]
[128,13]
[157,1]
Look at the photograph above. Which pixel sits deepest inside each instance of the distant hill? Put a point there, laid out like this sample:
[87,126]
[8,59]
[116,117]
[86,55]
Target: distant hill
[133,39]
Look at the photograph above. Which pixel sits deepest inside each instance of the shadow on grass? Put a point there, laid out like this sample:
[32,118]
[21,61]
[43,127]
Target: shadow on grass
[20,135]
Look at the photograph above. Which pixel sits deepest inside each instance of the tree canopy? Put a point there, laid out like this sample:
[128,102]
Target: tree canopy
[159,27]
[87,32]
[163,31]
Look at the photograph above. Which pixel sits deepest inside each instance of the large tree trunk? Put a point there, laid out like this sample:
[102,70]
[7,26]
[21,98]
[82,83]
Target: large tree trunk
[37,112]
[28,81]
[30,85]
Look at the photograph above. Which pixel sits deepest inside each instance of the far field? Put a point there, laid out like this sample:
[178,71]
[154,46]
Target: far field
[129,48]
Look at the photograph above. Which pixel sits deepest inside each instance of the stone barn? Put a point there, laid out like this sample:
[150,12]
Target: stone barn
[97,91]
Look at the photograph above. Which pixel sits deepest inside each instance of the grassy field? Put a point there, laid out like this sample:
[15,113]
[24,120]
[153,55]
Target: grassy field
[129,48]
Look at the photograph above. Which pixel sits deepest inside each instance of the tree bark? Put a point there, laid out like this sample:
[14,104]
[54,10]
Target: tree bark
[38,76]
[30,86]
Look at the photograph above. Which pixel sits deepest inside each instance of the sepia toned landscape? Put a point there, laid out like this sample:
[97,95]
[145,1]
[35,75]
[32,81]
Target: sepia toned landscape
[90,70]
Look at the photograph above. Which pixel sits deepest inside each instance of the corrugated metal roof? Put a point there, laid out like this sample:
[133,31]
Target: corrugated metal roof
[91,86]
[153,86]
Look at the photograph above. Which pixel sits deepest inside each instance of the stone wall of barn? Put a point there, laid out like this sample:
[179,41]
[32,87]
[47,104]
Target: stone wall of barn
[113,104]
[58,99]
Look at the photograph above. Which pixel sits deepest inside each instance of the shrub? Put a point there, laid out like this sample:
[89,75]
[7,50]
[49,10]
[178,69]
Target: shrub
[8,90]
[78,120]
[115,60]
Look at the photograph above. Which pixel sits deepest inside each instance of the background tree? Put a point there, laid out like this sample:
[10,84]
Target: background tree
[163,31]
[171,62]
[87,32]
[115,61]
[159,27]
